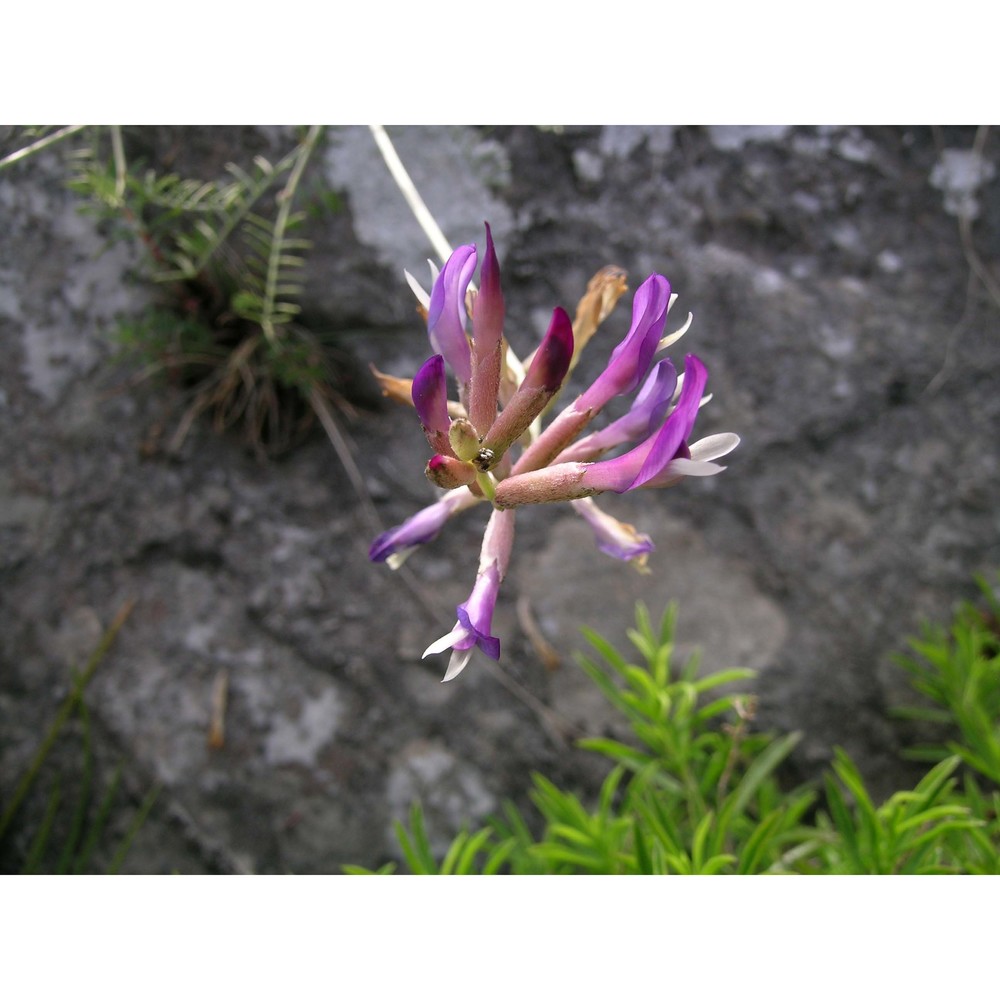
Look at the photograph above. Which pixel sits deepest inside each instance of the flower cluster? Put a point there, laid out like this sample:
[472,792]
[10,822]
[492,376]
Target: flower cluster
[498,412]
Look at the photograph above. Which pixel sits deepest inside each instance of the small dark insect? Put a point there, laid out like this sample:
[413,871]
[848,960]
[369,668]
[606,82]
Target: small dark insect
[484,459]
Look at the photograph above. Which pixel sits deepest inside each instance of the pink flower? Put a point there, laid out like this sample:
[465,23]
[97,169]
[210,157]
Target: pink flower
[476,443]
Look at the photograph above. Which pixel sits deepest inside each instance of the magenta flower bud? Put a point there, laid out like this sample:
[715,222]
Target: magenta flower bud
[449,473]
[552,359]
[631,358]
[446,312]
[541,382]
[646,415]
[430,398]
[487,340]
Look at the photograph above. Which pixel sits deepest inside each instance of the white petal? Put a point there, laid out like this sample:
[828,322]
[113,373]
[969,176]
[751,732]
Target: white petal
[422,297]
[457,663]
[397,559]
[714,446]
[685,467]
[674,337]
[445,642]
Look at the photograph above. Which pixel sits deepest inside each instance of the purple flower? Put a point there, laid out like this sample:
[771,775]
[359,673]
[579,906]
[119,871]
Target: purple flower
[615,537]
[446,312]
[475,616]
[501,401]
[395,545]
[645,416]
[660,460]
[430,399]
[630,359]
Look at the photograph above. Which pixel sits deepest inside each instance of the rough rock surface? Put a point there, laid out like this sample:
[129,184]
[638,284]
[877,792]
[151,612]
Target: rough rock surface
[846,344]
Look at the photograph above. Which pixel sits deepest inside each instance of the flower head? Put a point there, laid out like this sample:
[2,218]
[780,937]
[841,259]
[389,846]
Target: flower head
[476,440]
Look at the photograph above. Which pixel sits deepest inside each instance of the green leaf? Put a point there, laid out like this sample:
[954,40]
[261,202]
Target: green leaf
[386,869]
[758,772]
[753,857]
[415,846]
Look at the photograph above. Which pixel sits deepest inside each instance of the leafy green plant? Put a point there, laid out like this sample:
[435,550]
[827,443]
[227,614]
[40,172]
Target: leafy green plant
[978,846]
[462,857]
[905,835]
[958,670]
[228,258]
[697,791]
[686,798]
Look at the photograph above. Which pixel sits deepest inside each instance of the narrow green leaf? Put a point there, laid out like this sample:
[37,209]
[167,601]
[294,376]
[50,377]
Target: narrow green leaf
[40,840]
[761,769]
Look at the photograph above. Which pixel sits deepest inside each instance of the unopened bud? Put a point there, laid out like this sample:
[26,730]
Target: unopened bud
[463,438]
[449,473]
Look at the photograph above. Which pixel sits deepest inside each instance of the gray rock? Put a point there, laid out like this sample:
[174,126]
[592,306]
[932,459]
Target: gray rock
[833,308]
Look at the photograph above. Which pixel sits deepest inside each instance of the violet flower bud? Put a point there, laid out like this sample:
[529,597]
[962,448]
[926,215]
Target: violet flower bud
[631,358]
[541,382]
[430,398]
[446,313]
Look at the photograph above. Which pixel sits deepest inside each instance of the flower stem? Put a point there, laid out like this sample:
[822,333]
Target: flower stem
[486,484]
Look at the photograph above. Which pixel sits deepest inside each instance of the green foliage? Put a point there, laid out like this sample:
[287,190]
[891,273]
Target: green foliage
[696,791]
[905,836]
[462,857]
[958,669]
[217,232]
[229,259]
